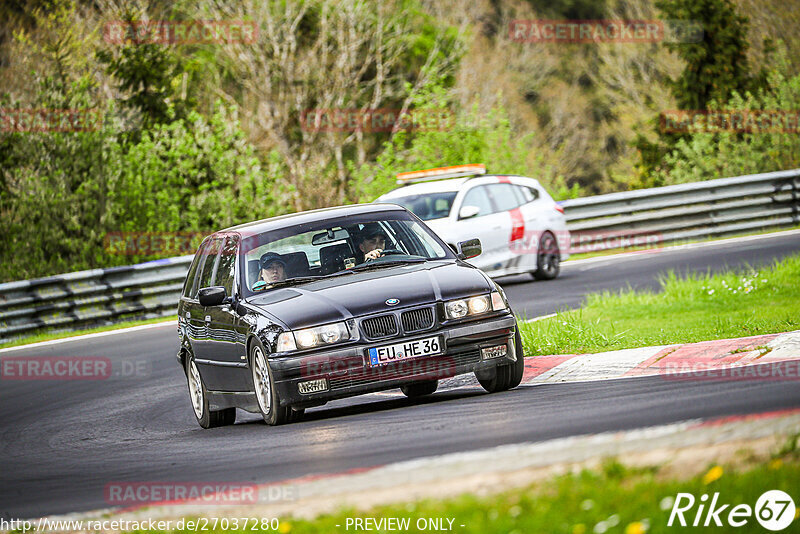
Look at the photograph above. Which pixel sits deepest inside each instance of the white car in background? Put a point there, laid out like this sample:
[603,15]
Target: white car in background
[521,228]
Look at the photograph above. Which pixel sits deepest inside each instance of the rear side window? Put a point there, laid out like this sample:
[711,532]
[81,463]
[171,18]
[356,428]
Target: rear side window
[477,197]
[529,194]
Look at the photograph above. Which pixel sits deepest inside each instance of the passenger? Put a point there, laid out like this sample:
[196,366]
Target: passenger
[372,241]
[273,268]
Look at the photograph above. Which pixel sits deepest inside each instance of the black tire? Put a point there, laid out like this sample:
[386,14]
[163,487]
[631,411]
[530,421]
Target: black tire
[264,388]
[506,376]
[548,258]
[518,367]
[420,389]
[498,381]
[198,395]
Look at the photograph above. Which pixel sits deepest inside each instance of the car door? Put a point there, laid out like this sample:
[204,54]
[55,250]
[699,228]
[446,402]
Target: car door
[187,300]
[507,201]
[536,211]
[200,318]
[227,333]
[491,226]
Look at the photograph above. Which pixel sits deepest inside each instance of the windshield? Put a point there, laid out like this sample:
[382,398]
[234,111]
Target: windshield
[428,206]
[302,253]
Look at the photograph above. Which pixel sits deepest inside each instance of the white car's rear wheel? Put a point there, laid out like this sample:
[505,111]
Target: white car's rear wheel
[548,258]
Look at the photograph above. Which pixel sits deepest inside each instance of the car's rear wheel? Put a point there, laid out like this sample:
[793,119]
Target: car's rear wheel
[199,397]
[420,389]
[508,376]
[266,393]
[548,258]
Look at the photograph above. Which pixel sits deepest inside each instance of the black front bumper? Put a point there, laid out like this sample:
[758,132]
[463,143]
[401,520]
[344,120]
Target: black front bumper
[347,371]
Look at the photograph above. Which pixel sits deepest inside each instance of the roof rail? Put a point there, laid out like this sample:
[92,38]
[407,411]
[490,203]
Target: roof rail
[441,173]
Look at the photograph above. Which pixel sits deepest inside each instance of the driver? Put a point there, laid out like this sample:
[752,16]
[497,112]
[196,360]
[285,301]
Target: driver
[273,268]
[372,241]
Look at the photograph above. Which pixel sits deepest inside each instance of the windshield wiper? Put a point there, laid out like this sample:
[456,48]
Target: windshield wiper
[292,281]
[370,266]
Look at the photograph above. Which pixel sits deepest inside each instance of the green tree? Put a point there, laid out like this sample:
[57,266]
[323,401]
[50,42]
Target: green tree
[716,68]
[716,65]
[706,155]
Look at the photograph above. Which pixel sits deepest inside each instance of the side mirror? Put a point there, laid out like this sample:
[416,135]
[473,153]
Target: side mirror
[469,249]
[468,212]
[211,296]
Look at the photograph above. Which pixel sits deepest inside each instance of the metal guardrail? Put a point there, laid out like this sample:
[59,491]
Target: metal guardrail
[672,213]
[685,211]
[98,296]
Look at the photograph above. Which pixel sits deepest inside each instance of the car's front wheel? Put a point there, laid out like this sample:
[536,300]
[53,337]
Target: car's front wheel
[505,377]
[420,389]
[199,397]
[266,393]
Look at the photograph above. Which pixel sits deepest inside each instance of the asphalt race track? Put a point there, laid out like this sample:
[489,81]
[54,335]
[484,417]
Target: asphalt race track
[62,441]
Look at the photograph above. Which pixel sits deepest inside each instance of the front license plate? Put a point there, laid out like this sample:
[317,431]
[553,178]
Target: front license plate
[403,351]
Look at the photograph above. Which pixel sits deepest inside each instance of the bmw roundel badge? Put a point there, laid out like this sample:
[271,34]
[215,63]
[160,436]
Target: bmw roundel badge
[392,302]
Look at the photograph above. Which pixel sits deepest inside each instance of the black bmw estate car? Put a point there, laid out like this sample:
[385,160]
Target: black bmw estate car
[287,313]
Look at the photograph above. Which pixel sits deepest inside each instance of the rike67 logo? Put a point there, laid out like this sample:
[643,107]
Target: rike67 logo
[774,510]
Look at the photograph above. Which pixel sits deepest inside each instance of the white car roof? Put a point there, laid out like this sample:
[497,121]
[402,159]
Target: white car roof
[443,186]
[438,186]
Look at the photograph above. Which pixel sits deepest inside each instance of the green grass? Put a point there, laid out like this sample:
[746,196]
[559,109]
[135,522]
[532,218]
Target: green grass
[613,499]
[698,308]
[48,336]
[614,251]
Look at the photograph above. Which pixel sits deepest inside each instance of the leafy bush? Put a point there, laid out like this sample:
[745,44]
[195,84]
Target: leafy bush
[705,156]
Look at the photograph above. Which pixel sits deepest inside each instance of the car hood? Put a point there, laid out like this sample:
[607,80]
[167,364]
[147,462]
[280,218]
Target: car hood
[353,295]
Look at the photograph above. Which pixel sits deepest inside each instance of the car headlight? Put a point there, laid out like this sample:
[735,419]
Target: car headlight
[456,309]
[308,338]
